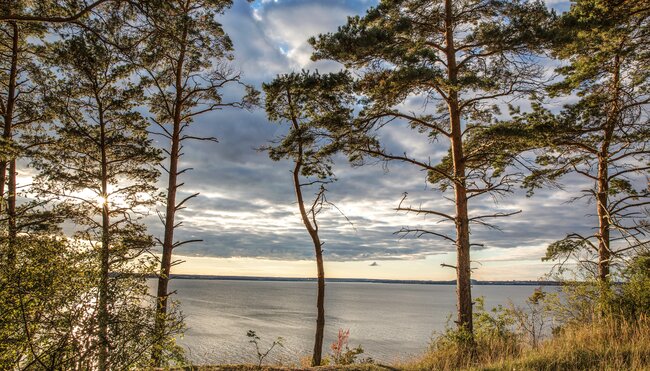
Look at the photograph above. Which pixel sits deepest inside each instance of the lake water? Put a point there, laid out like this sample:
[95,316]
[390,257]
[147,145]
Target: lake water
[390,321]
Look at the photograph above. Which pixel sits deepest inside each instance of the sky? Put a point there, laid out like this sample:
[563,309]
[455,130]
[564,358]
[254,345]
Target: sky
[246,213]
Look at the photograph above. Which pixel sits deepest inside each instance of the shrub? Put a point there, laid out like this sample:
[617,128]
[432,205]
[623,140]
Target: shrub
[255,340]
[341,353]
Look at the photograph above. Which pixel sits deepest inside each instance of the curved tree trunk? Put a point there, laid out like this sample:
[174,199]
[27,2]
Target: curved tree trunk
[320,301]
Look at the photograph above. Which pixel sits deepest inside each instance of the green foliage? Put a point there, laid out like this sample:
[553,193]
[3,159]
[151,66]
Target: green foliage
[591,35]
[494,337]
[566,248]
[592,333]
[318,109]
[400,50]
[48,308]
[185,31]
[46,290]
[634,297]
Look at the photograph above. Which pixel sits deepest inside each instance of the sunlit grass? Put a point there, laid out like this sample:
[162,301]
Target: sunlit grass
[603,345]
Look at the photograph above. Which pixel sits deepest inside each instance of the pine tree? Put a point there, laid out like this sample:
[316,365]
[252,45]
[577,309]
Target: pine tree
[459,57]
[53,11]
[100,164]
[46,291]
[316,107]
[186,63]
[22,108]
[603,137]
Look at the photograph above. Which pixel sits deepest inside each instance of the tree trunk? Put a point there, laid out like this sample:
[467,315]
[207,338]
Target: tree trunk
[320,305]
[7,136]
[103,317]
[463,272]
[168,246]
[313,233]
[170,215]
[603,222]
[602,204]
[11,204]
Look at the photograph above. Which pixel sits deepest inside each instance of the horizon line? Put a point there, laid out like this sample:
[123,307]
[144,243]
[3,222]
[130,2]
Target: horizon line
[360,280]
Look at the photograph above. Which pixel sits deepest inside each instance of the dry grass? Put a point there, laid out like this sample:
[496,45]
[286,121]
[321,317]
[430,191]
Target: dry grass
[604,345]
[356,367]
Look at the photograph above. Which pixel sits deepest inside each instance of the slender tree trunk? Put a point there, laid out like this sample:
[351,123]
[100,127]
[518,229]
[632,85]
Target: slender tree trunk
[8,166]
[320,305]
[11,203]
[7,135]
[463,272]
[103,317]
[320,301]
[170,215]
[165,264]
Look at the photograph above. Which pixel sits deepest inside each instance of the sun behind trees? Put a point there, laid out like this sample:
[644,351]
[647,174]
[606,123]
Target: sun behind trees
[100,164]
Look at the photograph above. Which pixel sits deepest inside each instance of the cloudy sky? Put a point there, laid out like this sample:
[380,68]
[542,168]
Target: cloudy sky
[246,213]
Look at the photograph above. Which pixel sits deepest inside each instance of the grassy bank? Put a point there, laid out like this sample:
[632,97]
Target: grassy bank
[604,345]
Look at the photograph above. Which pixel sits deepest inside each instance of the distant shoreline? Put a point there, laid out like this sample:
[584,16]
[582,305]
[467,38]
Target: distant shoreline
[360,280]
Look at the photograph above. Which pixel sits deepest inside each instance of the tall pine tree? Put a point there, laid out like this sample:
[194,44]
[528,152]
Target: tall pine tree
[186,60]
[603,137]
[100,164]
[22,108]
[459,57]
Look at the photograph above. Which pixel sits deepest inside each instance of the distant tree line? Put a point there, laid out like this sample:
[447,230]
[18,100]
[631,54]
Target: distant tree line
[85,86]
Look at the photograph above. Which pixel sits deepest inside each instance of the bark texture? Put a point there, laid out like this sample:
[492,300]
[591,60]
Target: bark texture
[463,271]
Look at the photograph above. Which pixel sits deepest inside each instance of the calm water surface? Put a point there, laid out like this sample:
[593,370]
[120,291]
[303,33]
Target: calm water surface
[390,321]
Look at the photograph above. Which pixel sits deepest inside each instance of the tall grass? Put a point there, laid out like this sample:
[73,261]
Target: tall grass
[606,344]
